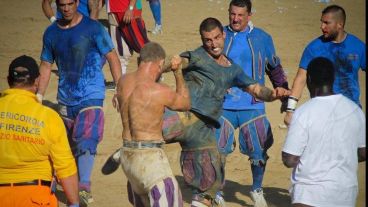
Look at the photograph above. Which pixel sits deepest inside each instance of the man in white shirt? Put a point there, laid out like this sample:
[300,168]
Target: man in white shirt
[324,144]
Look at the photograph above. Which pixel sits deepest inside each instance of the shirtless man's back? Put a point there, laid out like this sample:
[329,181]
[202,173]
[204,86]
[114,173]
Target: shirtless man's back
[141,102]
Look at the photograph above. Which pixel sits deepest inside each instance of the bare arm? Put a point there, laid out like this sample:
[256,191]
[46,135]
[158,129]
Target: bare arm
[181,99]
[265,94]
[114,63]
[70,186]
[93,7]
[45,73]
[46,8]
[361,154]
[128,15]
[297,90]
[290,160]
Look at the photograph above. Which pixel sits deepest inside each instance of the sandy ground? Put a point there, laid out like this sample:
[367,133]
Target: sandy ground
[292,23]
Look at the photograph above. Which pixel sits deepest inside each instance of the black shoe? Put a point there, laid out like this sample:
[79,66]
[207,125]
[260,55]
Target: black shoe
[110,85]
[111,165]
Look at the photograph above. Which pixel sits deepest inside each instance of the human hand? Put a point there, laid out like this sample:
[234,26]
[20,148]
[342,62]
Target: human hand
[115,102]
[128,16]
[279,93]
[176,63]
[287,118]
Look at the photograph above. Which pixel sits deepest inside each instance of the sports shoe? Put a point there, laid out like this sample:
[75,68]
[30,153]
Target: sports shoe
[112,163]
[219,199]
[157,30]
[110,85]
[257,198]
[85,197]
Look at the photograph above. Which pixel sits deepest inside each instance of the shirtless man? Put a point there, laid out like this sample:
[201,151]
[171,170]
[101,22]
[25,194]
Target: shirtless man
[142,101]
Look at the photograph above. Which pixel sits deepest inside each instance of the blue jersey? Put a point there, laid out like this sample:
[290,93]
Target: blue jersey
[79,55]
[82,8]
[238,49]
[348,56]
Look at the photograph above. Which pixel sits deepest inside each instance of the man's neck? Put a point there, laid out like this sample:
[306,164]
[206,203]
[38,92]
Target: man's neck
[340,37]
[322,91]
[65,24]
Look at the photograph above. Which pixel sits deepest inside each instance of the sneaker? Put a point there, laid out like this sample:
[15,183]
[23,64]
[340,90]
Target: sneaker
[219,199]
[112,163]
[85,197]
[157,30]
[257,198]
[110,85]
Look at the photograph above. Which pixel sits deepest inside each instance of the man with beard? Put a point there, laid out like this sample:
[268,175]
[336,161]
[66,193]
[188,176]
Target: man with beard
[344,50]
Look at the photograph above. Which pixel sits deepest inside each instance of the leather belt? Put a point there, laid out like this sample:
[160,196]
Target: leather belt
[33,182]
[139,145]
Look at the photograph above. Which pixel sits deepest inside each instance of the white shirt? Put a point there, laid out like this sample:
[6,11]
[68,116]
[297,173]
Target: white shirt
[326,133]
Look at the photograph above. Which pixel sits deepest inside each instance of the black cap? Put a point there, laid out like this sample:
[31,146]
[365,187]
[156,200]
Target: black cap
[29,68]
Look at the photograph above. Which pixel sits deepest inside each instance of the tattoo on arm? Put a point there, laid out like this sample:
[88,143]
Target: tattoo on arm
[265,94]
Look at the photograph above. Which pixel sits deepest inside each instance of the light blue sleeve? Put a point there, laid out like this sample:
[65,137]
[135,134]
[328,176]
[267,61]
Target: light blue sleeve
[47,54]
[103,40]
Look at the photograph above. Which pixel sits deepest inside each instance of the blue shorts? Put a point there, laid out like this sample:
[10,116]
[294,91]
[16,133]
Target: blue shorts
[255,135]
[84,124]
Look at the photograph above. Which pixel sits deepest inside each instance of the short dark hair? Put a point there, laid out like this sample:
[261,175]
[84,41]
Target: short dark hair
[151,51]
[23,70]
[242,3]
[210,24]
[57,1]
[337,10]
[320,72]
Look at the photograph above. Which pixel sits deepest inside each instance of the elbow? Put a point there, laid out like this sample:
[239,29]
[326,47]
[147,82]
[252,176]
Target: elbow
[361,154]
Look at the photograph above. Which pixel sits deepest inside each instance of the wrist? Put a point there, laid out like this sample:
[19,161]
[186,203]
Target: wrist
[291,105]
[52,19]
[39,97]
[131,8]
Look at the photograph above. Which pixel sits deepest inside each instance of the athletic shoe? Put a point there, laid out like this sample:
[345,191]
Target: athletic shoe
[157,30]
[110,85]
[112,163]
[85,197]
[219,199]
[257,198]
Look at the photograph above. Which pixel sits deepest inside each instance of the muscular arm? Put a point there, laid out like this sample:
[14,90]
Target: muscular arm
[297,90]
[70,186]
[45,73]
[114,63]
[265,94]
[46,8]
[181,99]
[290,160]
[361,154]
[93,7]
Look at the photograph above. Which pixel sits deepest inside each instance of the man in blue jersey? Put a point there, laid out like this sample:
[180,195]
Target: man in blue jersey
[79,46]
[253,50]
[344,50]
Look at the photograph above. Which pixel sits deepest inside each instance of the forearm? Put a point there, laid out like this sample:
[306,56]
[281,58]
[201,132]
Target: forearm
[299,83]
[45,73]
[181,87]
[361,154]
[260,92]
[290,160]
[93,7]
[46,8]
[70,186]
[114,64]
[277,77]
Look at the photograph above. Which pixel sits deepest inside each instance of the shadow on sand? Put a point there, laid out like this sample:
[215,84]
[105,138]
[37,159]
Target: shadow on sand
[275,197]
